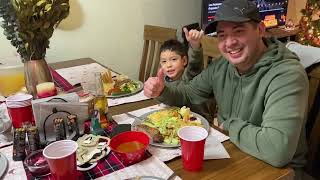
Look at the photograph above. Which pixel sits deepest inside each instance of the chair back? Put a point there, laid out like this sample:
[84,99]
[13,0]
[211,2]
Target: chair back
[313,139]
[153,37]
[308,55]
[210,49]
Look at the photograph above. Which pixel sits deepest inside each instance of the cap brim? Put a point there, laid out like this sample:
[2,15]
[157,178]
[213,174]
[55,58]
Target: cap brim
[212,27]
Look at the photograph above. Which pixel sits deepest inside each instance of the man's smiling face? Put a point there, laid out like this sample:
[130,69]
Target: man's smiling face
[240,43]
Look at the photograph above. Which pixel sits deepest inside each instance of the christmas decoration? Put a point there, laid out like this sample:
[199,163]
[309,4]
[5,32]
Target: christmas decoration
[289,25]
[310,24]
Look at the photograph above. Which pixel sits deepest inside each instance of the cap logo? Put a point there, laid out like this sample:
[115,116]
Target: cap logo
[239,10]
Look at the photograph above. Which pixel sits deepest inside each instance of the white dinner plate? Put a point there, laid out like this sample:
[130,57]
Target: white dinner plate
[143,117]
[3,165]
[146,178]
[140,87]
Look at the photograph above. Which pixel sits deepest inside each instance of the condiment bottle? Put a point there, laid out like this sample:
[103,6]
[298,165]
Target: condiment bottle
[101,101]
[95,126]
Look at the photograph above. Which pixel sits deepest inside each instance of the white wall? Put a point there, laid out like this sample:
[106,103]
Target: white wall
[111,31]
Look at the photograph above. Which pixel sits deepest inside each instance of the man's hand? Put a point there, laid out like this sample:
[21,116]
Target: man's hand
[154,86]
[193,37]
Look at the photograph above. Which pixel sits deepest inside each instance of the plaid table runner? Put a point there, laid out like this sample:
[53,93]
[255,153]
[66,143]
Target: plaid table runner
[105,166]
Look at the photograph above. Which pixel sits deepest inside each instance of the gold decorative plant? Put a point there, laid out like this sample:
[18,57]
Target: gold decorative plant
[29,24]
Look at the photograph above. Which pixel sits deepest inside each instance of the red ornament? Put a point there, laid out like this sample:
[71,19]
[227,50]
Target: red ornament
[309,36]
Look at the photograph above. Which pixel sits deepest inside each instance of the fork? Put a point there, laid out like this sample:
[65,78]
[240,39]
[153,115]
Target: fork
[133,116]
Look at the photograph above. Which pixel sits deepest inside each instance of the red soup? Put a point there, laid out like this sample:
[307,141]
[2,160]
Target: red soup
[128,147]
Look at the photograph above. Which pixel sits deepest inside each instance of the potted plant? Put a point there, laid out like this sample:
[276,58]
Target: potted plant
[29,24]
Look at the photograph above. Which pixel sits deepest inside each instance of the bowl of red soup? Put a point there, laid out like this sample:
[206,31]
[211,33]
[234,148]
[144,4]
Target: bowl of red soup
[130,146]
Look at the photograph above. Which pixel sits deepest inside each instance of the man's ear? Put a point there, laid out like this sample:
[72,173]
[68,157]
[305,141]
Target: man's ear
[262,29]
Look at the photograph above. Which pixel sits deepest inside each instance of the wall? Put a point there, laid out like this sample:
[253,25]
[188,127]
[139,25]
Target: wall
[111,31]
[294,8]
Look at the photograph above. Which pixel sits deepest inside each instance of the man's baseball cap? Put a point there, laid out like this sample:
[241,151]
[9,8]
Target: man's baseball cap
[235,11]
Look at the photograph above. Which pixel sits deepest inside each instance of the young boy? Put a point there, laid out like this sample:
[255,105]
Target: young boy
[174,57]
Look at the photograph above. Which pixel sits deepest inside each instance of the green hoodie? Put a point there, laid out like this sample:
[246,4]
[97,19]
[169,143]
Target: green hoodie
[264,110]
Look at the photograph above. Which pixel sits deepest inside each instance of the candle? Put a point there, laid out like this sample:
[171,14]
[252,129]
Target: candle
[46,89]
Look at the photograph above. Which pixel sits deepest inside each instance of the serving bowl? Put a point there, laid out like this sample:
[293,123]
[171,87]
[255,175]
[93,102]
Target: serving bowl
[130,146]
[37,164]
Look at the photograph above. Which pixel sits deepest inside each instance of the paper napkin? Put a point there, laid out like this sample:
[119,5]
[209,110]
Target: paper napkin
[150,167]
[214,149]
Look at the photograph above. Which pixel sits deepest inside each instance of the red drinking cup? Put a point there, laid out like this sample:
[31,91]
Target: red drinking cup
[61,157]
[20,109]
[192,140]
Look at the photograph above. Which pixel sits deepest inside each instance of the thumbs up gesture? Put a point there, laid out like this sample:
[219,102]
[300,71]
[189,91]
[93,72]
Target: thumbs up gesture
[193,37]
[154,86]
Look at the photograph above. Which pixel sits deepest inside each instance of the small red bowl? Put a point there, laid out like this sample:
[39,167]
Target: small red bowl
[130,138]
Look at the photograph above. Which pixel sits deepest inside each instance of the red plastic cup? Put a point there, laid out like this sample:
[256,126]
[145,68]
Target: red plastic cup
[192,139]
[61,157]
[20,109]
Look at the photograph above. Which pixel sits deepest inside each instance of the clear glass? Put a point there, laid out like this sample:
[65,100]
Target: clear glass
[101,101]
[11,79]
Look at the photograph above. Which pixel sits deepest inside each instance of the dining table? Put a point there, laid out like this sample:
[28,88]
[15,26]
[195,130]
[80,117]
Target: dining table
[240,166]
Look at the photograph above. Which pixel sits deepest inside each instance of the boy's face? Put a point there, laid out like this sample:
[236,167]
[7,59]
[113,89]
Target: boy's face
[240,42]
[172,64]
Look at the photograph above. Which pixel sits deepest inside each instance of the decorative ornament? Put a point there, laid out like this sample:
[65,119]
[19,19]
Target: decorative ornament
[315,15]
[310,31]
[309,36]
[289,25]
[315,40]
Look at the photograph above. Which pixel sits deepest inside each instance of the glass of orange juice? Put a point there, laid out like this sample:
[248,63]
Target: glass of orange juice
[11,79]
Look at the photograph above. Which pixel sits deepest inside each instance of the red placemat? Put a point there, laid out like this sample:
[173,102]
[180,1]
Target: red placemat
[105,166]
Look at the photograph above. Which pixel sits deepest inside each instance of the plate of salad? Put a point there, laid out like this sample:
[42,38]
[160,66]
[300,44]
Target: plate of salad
[162,125]
[120,85]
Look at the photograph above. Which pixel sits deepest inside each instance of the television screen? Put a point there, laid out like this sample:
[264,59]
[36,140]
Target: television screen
[272,12]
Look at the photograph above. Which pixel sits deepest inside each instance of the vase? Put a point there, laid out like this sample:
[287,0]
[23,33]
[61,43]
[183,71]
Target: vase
[36,72]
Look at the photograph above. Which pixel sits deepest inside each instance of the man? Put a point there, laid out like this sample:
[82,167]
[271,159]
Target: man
[260,87]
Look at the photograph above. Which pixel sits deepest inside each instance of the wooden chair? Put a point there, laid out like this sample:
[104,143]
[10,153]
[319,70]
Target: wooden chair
[314,136]
[210,49]
[153,37]
[210,52]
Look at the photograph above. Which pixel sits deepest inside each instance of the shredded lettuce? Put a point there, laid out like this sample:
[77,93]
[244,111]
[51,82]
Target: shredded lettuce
[168,122]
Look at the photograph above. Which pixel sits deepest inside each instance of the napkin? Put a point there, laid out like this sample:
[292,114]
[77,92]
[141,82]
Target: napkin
[149,167]
[214,149]
[165,154]
[15,170]
[6,135]
[84,75]
[128,99]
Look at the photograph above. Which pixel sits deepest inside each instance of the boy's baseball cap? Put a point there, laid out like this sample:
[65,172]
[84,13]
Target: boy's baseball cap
[236,11]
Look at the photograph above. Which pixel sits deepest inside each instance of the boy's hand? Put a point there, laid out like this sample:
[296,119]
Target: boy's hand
[154,86]
[193,37]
